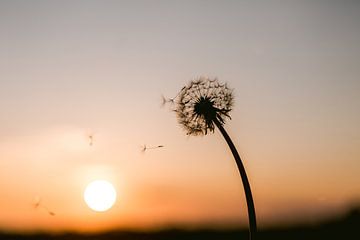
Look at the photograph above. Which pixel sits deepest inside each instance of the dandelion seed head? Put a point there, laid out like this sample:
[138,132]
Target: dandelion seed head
[201,102]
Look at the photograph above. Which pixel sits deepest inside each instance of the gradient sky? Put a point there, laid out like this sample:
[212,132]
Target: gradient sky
[71,68]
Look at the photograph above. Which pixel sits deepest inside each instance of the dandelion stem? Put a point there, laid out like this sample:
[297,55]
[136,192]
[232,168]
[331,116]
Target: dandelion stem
[244,178]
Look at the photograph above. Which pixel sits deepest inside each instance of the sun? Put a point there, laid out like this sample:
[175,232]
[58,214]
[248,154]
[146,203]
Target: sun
[100,195]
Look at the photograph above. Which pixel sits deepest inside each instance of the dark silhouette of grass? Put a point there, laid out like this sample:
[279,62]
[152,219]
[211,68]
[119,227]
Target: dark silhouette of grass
[203,105]
[346,227]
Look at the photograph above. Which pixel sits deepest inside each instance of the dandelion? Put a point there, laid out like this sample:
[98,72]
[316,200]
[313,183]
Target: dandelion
[200,107]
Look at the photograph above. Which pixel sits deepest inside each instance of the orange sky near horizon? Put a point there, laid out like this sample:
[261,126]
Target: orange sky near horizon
[73,68]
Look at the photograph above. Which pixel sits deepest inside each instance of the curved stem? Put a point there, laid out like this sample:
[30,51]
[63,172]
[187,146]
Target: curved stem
[245,181]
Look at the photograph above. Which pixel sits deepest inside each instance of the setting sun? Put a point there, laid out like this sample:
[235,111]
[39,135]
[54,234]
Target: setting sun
[100,195]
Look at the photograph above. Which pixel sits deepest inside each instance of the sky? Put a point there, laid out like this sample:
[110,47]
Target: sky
[73,68]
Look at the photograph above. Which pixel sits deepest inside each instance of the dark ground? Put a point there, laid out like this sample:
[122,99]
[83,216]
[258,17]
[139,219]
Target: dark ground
[347,228]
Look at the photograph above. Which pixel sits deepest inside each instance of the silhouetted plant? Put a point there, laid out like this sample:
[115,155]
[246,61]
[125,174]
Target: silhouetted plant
[203,104]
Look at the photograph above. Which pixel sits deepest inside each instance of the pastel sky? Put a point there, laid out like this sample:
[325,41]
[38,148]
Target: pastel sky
[73,68]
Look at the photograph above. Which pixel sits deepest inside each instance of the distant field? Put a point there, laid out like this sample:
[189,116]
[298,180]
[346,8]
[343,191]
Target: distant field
[347,228]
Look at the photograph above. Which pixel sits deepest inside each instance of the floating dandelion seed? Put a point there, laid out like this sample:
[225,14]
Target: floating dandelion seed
[91,139]
[37,204]
[51,213]
[164,100]
[170,100]
[200,106]
[144,147]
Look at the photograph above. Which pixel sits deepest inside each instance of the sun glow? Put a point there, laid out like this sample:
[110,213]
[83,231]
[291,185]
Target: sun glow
[100,195]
